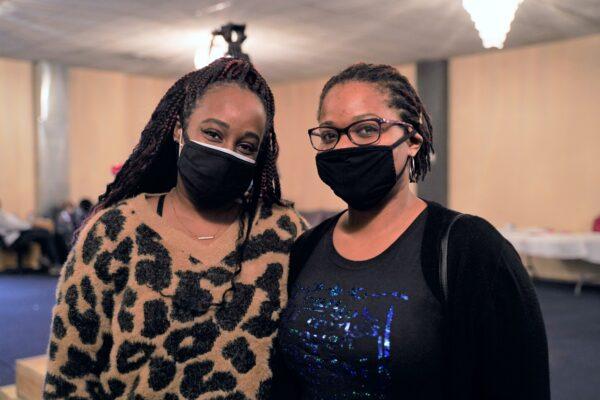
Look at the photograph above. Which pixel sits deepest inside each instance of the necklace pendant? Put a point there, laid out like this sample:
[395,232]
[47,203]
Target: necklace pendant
[205,237]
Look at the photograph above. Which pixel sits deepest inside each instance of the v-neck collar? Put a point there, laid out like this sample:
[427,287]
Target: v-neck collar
[209,254]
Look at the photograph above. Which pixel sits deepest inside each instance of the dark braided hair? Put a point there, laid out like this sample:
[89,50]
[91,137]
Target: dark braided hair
[402,97]
[152,166]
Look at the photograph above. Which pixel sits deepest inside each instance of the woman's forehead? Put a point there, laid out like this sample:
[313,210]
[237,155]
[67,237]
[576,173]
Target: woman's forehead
[232,101]
[229,91]
[354,98]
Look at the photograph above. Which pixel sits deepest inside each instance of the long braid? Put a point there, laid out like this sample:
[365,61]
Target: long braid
[152,165]
[402,97]
[266,179]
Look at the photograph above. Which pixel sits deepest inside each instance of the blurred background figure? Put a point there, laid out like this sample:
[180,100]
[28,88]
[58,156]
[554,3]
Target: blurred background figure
[81,212]
[17,234]
[64,221]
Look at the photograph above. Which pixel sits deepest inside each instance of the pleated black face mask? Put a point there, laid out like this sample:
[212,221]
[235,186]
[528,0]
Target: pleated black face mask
[213,176]
[361,176]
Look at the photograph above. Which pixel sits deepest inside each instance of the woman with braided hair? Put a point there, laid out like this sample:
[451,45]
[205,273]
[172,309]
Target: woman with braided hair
[385,300]
[175,284]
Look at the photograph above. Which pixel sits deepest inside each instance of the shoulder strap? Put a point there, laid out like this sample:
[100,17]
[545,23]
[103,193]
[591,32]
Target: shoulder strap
[444,258]
[160,205]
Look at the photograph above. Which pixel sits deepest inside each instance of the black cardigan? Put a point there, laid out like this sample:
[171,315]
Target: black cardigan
[494,338]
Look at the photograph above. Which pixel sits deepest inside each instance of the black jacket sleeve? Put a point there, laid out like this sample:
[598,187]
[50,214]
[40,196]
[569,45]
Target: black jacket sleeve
[518,364]
[499,346]
[285,383]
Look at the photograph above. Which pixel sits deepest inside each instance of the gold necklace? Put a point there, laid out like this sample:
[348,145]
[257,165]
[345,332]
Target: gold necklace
[184,227]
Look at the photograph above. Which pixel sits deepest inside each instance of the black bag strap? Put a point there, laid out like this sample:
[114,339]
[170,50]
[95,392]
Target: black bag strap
[444,258]
[160,205]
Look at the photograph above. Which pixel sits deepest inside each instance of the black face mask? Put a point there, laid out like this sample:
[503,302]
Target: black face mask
[361,176]
[212,176]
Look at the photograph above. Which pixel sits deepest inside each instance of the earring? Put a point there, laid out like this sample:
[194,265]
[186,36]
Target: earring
[411,171]
[180,142]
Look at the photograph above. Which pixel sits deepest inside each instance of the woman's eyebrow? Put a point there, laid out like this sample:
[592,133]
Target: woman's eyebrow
[356,118]
[222,124]
[362,116]
[251,134]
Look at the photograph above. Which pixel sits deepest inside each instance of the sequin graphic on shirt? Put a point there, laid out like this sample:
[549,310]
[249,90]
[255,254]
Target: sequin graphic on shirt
[330,329]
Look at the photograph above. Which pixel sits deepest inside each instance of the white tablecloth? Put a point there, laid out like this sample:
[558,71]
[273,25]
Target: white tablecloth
[562,246]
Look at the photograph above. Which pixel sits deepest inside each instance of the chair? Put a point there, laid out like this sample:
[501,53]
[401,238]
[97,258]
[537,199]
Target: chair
[23,257]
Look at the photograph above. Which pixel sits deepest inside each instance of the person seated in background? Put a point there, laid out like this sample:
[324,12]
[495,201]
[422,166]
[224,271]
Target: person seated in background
[17,233]
[67,219]
[81,212]
[64,221]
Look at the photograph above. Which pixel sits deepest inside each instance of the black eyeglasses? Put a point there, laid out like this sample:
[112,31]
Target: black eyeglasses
[361,133]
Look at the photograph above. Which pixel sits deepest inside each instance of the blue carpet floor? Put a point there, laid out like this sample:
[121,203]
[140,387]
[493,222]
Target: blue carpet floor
[26,303]
[573,326]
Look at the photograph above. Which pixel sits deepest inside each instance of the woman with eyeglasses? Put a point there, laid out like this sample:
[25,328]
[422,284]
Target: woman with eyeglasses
[398,297]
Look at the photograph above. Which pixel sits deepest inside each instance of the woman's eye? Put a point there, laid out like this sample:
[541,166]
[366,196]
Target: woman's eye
[329,136]
[367,130]
[212,135]
[247,148]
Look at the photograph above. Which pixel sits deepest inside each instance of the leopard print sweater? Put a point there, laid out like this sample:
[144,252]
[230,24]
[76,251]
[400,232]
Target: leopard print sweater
[131,319]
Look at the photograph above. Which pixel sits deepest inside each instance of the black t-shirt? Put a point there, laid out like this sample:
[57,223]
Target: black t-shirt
[365,329]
